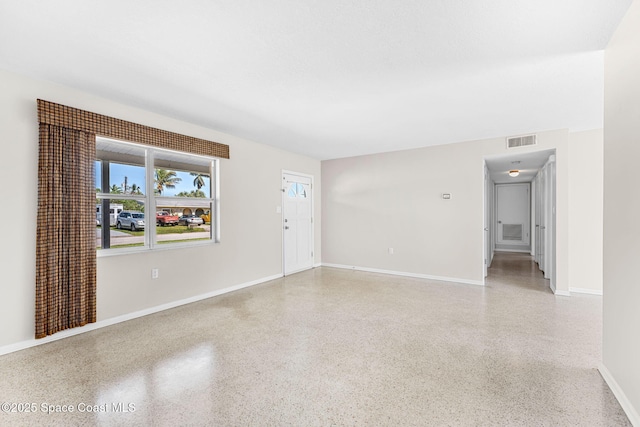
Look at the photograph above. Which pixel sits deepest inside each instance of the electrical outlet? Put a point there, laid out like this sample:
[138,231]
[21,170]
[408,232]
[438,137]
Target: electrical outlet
[390,251]
[154,273]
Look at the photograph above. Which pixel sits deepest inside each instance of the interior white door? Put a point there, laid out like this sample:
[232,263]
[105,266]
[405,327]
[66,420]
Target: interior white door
[542,219]
[297,222]
[545,220]
[550,223]
[538,197]
[487,221]
[513,213]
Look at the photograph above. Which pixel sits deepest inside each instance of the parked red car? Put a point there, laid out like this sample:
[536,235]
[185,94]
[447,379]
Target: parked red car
[165,218]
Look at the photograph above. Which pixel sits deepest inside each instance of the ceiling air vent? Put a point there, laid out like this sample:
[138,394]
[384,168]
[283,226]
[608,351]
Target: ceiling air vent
[521,141]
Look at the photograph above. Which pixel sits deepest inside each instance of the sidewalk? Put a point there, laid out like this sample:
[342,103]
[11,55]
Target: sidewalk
[121,238]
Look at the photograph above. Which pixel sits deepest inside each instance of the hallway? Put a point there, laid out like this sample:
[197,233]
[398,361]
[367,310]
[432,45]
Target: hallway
[335,347]
[516,269]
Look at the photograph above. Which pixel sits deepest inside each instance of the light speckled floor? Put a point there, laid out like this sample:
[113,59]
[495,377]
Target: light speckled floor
[335,347]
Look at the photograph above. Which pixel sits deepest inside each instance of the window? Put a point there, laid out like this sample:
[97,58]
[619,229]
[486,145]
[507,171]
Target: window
[296,189]
[65,233]
[149,197]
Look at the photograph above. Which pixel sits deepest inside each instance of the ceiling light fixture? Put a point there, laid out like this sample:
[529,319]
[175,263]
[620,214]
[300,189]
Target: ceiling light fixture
[513,173]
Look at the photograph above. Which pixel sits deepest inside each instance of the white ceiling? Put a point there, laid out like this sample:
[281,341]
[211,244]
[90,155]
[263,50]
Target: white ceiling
[527,163]
[329,78]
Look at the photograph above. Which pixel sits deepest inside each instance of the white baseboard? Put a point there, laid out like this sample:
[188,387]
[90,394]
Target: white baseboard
[627,407]
[520,251]
[129,316]
[401,273]
[586,291]
[318,264]
[559,292]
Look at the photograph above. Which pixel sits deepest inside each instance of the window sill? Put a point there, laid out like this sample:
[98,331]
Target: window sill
[103,253]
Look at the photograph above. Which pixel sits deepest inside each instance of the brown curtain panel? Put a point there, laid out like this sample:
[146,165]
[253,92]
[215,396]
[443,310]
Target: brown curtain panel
[65,246]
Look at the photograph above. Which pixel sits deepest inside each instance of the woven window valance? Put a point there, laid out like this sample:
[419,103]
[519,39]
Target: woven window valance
[110,127]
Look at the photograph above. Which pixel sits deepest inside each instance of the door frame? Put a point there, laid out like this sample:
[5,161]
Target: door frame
[487,220]
[536,211]
[313,225]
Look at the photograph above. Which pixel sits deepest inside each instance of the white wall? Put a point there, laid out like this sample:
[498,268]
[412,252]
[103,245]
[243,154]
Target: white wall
[621,328]
[251,232]
[371,203]
[585,210]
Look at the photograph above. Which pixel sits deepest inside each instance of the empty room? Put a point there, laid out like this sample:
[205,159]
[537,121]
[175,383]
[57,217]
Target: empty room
[320,213]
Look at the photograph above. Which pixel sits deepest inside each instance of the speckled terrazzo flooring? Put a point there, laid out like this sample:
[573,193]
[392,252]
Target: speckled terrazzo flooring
[334,347]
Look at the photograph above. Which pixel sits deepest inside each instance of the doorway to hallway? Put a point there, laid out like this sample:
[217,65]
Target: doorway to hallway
[527,178]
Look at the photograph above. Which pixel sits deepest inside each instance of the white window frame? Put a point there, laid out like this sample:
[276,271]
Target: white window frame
[151,200]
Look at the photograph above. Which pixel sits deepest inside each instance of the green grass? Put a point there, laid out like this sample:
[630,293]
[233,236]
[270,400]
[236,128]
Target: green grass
[182,240]
[178,229]
[127,245]
[131,233]
[175,229]
[130,245]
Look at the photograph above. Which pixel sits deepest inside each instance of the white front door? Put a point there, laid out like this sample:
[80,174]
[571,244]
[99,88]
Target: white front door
[297,222]
[541,217]
[513,215]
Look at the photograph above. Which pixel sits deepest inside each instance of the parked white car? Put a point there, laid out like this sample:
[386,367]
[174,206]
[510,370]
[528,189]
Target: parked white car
[190,220]
[131,220]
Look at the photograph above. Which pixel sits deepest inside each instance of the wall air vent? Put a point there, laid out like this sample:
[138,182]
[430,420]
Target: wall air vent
[512,232]
[521,141]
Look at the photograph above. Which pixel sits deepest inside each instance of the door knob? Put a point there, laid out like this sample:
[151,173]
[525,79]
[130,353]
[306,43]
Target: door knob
[286,227]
